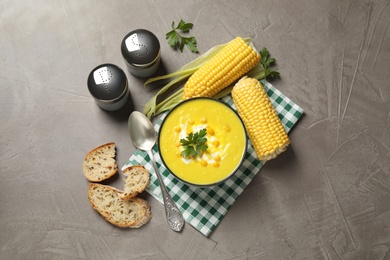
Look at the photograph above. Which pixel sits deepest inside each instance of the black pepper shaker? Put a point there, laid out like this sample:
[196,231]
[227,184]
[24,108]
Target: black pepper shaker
[108,85]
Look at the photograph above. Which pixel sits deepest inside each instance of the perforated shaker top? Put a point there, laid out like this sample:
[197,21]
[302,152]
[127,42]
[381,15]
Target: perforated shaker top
[140,47]
[107,82]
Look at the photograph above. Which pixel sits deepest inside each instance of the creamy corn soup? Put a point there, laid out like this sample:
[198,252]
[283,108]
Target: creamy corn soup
[226,141]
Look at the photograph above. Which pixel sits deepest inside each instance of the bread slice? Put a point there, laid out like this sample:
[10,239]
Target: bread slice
[99,164]
[128,213]
[136,180]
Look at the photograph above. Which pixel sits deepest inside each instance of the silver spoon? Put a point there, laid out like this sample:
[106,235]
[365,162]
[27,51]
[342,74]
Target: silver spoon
[144,138]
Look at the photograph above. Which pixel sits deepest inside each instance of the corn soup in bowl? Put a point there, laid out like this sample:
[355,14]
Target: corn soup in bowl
[202,141]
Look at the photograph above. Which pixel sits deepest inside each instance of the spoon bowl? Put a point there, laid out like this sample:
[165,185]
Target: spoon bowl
[143,137]
[141,131]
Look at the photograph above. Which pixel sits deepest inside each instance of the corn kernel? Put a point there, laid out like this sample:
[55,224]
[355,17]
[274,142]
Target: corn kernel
[177,129]
[215,143]
[227,128]
[203,120]
[216,164]
[209,130]
[191,121]
[203,163]
[217,158]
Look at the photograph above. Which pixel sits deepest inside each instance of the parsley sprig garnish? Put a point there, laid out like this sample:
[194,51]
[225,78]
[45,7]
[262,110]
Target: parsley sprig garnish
[194,144]
[266,61]
[176,39]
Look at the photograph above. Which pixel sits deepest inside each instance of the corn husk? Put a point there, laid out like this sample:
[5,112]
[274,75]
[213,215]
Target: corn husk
[153,107]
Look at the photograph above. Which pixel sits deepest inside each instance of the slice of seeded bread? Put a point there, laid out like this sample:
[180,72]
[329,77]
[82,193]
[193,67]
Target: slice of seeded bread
[99,164]
[124,213]
[136,179]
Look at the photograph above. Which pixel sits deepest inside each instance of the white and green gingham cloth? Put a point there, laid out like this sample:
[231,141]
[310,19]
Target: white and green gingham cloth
[204,208]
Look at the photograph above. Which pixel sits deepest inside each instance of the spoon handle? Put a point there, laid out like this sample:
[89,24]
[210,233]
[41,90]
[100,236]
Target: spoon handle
[174,217]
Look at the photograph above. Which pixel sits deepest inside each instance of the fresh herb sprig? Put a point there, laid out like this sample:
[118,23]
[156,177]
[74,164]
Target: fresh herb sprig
[195,144]
[176,39]
[266,61]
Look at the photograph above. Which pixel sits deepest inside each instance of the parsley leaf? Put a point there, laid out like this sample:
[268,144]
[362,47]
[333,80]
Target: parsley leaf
[175,39]
[266,61]
[185,27]
[194,144]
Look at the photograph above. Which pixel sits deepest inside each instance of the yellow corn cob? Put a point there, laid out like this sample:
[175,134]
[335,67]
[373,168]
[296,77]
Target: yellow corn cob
[261,121]
[227,66]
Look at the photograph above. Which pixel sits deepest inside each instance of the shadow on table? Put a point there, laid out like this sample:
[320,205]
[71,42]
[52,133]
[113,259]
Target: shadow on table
[122,114]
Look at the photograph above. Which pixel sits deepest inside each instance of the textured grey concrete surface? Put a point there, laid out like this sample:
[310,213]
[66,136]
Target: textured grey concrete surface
[327,197]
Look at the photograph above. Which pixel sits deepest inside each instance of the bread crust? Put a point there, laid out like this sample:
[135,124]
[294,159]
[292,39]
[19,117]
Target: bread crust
[124,213]
[99,163]
[137,178]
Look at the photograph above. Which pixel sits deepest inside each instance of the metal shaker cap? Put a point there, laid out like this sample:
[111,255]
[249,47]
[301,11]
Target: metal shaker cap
[141,51]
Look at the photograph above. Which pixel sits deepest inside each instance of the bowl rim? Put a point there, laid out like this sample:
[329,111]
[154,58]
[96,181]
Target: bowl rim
[244,152]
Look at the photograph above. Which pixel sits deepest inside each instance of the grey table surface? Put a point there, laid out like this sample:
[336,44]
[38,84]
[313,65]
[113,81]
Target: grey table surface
[326,197]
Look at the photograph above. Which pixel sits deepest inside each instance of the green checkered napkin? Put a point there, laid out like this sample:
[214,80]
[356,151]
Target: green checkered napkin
[204,208]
